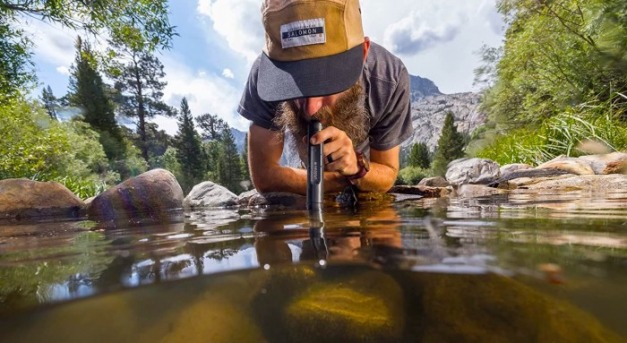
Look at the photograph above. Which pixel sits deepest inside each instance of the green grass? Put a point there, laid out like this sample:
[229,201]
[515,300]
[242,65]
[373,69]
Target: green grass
[560,135]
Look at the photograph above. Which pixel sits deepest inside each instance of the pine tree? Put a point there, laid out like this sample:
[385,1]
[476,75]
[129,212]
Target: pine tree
[51,103]
[140,89]
[88,92]
[189,152]
[450,146]
[419,156]
[229,169]
[212,126]
[244,160]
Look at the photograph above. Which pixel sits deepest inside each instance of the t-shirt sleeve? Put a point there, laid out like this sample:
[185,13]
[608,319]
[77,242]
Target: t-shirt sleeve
[395,125]
[252,107]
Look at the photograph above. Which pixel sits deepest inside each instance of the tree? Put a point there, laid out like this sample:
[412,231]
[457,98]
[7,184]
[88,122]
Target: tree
[136,22]
[244,161]
[557,54]
[419,156]
[50,102]
[450,146]
[212,126]
[140,89]
[229,169]
[88,92]
[189,150]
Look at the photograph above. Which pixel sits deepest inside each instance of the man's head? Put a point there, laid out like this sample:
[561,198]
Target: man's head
[345,111]
[314,48]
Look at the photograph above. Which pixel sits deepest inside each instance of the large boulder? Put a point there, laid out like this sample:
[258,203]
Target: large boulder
[473,171]
[151,195]
[23,198]
[209,194]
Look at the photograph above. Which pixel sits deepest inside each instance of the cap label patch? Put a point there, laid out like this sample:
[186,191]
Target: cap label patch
[303,32]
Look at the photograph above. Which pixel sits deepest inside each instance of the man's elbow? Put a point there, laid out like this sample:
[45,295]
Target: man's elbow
[264,184]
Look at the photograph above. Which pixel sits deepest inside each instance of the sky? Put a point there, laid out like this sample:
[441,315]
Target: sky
[219,39]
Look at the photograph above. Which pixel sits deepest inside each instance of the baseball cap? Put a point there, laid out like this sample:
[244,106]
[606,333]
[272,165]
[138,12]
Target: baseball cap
[313,48]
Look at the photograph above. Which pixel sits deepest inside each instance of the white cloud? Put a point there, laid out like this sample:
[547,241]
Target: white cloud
[205,93]
[421,30]
[238,22]
[63,70]
[228,73]
[52,42]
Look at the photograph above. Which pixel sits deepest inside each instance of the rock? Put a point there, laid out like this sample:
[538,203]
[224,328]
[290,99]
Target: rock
[472,170]
[619,167]
[503,181]
[366,307]
[436,181]
[209,194]
[427,192]
[457,307]
[475,191]
[23,198]
[572,165]
[613,163]
[151,195]
[245,197]
[428,114]
[510,168]
[278,199]
[594,183]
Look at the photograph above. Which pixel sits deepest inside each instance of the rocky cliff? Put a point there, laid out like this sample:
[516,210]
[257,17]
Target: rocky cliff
[428,115]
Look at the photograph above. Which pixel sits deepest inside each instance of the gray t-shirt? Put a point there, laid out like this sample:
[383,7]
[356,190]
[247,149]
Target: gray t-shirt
[386,84]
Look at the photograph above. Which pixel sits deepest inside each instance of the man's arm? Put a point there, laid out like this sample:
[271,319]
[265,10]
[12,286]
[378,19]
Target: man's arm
[384,164]
[264,154]
[384,167]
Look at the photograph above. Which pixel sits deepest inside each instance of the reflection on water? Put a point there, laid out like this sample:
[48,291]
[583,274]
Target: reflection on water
[571,247]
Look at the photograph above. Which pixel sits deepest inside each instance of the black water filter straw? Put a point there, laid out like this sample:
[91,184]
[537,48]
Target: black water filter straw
[315,170]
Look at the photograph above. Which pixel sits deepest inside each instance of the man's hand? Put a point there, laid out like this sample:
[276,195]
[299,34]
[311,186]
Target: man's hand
[338,151]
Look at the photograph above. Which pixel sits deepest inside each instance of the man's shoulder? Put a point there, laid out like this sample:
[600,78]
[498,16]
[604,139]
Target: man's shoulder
[384,66]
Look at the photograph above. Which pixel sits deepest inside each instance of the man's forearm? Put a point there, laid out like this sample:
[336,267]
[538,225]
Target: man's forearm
[380,178]
[294,180]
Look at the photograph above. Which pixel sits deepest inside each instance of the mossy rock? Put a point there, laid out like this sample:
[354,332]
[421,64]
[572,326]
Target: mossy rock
[493,308]
[364,307]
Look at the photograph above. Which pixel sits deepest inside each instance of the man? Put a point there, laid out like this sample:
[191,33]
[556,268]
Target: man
[317,63]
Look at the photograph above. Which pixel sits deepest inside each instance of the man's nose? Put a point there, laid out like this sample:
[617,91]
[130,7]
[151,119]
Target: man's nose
[313,105]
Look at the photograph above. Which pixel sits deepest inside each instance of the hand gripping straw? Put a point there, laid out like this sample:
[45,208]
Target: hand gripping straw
[315,170]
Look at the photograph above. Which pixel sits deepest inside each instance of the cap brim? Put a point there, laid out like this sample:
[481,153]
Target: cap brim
[280,81]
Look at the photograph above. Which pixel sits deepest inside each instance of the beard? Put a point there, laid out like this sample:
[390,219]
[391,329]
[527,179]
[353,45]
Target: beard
[348,114]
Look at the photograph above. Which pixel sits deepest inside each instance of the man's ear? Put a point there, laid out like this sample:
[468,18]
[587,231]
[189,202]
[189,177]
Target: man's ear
[366,47]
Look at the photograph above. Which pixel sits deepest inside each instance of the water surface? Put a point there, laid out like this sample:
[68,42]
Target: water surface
[526,267]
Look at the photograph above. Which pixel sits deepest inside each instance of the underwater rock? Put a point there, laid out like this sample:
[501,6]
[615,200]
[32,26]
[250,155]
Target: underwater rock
[492,308]
[473,171]
[152,194]
[23,198]
[209,194]
[365,307]
[436,181]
